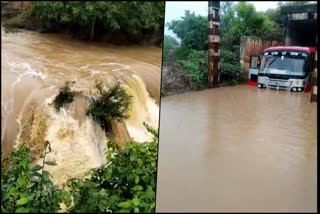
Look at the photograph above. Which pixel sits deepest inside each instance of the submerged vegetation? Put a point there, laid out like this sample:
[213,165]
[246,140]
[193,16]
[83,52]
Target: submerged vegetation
[126,183]
[64,97]
[110,104]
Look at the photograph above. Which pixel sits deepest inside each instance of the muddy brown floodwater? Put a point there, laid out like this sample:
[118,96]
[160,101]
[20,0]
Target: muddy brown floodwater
[237,149]
[33,68]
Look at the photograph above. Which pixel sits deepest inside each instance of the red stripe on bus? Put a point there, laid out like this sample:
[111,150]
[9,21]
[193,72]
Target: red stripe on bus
[252,83]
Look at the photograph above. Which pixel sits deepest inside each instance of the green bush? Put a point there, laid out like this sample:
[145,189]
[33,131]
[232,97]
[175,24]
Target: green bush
[230,68]
[64,97]
[182,53]
[110,104]
[196,66]
[25,189]
[126,184]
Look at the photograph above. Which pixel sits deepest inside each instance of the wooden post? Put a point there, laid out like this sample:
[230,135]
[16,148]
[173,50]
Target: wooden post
[213,43]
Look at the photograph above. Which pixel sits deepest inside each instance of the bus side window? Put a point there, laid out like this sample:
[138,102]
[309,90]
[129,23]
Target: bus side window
[254,62]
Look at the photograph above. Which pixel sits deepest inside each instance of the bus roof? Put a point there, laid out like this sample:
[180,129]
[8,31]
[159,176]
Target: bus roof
[292,48]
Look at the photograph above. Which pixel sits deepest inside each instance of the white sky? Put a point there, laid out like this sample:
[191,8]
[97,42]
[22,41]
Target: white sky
[175,9]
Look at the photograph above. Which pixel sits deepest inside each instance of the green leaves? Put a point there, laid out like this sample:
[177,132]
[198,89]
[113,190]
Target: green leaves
[22,210]
[22,201]
[36,168]
[23,186]
[136,201]
[196,66]
[125,205]
[21,181]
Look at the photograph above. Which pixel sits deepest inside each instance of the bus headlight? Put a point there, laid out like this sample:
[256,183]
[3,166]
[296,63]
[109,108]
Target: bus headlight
[299,82]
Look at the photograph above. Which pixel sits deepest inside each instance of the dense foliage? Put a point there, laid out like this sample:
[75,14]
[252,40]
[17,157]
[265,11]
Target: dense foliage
[27,188]
[196,66]
[130,19]
[64,97]
[126,183]
[242,19]
[192,30]
[110,104]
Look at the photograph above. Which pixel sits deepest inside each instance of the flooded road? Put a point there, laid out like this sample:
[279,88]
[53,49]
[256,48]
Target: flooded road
[237,149]
[33,68]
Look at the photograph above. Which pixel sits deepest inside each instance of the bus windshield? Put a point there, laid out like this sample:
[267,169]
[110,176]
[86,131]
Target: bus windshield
[283,64]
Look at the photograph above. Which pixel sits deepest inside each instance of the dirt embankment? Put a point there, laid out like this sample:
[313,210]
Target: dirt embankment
[174,78]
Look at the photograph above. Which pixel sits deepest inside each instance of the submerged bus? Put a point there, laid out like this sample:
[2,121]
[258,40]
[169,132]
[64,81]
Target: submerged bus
[288,68]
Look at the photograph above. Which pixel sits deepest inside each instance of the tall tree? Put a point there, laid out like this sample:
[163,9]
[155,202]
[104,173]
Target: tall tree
[192,30]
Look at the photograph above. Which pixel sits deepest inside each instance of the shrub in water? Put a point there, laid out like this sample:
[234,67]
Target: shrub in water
[110,104]
[64,97]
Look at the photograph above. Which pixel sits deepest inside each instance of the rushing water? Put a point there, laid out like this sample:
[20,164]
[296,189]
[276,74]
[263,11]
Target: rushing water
[35,65]
[237,149]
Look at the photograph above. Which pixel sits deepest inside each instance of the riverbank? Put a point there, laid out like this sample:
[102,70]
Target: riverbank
[33,16]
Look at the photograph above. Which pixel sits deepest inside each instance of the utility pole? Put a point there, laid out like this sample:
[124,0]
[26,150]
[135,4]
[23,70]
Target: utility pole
[213,43]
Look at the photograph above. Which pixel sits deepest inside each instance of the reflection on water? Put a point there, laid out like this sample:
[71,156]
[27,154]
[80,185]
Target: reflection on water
[237,149]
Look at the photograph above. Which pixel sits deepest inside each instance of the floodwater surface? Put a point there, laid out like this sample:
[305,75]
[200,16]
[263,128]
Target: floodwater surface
[33,68]
[237,149]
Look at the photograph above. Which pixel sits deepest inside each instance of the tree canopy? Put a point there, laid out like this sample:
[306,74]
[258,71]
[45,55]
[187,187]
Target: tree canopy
[128,17]
[192,30]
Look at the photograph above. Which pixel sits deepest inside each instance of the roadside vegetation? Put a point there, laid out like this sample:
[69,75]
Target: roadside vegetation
[236,20]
